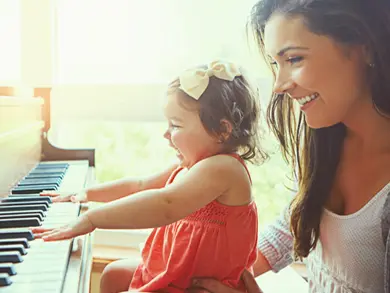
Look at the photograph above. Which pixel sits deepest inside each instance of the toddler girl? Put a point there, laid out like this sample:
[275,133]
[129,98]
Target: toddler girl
[202,210]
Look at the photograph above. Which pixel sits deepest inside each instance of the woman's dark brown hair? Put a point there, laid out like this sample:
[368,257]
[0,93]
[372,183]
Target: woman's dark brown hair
[234,102]
[315,153]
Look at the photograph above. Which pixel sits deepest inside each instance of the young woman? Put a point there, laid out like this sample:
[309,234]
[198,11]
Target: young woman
[331,113]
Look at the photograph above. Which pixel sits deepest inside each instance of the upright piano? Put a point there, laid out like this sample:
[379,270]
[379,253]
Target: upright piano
[30,163]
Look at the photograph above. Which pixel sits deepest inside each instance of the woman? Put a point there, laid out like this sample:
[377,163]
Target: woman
[331,58]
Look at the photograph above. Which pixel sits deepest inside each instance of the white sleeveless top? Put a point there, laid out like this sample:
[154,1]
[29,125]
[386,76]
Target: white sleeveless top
[350,254]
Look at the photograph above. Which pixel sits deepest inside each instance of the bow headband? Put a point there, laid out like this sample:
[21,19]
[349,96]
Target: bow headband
[195,81]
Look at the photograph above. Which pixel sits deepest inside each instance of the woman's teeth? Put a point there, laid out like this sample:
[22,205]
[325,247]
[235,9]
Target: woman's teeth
[302,101]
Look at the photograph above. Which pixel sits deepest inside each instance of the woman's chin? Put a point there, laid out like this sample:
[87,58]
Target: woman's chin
[316,123]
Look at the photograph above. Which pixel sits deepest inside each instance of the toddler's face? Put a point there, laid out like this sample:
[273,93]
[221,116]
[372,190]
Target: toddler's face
[186,133]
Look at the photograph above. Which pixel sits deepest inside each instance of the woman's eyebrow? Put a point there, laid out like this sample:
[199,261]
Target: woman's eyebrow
[288,48]
[176,118]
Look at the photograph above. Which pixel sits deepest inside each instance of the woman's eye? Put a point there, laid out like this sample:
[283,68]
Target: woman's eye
[294,60]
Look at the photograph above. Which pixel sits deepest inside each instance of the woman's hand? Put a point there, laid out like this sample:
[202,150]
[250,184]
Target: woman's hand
[66,196]
[79,227]
[201,285]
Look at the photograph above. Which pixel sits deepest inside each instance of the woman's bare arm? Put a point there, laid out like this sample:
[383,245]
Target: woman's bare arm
[261,265]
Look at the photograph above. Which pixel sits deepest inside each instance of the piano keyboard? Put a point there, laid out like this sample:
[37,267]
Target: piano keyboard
[28,265]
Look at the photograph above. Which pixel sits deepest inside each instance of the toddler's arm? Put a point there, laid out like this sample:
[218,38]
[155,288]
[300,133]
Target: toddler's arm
[113,190]
[203,183]
[110,191]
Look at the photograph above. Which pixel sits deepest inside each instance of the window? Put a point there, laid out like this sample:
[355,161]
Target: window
[10,70]
[108,63]
[113,61]
[146,41]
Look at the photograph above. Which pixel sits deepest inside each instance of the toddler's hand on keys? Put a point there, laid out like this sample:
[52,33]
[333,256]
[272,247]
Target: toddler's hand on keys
[201,285]
[65,196]
[79,227]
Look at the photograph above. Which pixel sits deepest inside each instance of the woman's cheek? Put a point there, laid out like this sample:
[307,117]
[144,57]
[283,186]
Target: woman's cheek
[305,78]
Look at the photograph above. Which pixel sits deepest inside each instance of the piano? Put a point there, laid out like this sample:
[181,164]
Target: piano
[30,163]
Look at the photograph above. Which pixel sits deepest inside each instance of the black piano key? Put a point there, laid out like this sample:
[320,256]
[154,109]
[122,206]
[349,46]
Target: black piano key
[39,180]
[59,172]
[14,247]
[22,216]
[51,166]
[26,202]
[22,233]
[39,207]
[45,164]
[10,241]
[5,280]
[32,189]
[24,195]
[42,176]
[41,213]
[27,198]
[58,176]
[10,256]
[19,223]
[32,185]
[7,268]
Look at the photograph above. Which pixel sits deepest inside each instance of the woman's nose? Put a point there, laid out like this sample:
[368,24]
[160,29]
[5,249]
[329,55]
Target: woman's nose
[283,83]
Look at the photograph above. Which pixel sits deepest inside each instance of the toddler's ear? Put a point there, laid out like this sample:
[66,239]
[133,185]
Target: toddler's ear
[226,129]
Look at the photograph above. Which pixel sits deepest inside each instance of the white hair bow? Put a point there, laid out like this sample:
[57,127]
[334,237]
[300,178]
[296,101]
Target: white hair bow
[195,81]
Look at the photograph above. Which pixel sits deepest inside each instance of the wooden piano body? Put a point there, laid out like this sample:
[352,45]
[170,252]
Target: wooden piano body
[24,144]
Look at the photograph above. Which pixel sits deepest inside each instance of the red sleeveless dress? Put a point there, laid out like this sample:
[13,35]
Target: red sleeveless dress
[217,241]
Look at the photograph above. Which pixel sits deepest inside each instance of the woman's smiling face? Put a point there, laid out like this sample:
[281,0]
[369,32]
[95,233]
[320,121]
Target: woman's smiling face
[326,78]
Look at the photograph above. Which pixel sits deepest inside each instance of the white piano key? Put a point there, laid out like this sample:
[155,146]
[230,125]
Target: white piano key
[45,265]
[52,287]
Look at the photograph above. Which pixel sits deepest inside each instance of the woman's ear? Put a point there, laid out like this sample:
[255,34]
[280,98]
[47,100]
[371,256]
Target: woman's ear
[225,132]
[367,56]
[359,53]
